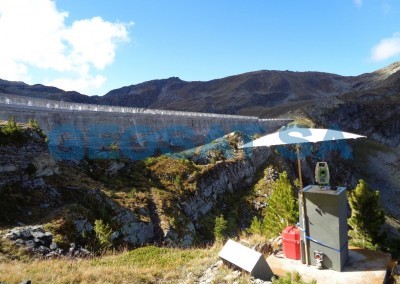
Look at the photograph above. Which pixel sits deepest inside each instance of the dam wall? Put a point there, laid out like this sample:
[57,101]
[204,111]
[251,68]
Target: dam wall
[76,131]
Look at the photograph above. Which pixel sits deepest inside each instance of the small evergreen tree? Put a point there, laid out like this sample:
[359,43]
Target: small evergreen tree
[282,209]
[35,125]
[103,234]
[11,132]
[220,228]
[367,216]
[255,227]
[12,127]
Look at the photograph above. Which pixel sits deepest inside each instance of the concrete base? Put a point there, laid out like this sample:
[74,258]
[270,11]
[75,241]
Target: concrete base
[363,266]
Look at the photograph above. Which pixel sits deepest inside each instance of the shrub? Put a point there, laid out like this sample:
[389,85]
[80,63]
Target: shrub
[367,216]
[114,146]
[32,123]
[103,234]
[220,228]
[255,227]
[178,181]
[11,132]
[282,209]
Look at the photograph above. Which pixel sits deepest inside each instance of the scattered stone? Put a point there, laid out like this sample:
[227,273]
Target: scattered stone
[53,246]
[40,243]
[45,173]
[115,235]
[187,241]
[30,244]
[259,281]
[25,233]
[276,244]
[114,168]
[37,234]
[78,251]
[52,192]
[232,276]
[211,273]
[264,248]
[83,226]
[19,242]
[8,168]
[259,205]
[37,183]
[73,187]
[44,250]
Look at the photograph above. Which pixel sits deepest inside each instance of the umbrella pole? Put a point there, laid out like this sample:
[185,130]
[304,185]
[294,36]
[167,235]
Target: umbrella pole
[303,207]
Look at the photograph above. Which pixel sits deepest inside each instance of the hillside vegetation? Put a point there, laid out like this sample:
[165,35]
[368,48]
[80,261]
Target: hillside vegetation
[143,265]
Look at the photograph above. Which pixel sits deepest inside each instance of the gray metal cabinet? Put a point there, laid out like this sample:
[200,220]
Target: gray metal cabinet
[326,224]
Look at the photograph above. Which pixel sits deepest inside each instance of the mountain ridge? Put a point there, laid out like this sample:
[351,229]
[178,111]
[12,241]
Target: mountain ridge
[250,92]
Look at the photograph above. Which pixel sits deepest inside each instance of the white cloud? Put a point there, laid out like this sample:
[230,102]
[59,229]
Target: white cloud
[85,83]
[94,41]
[386,48]
[358,3]
[34,35]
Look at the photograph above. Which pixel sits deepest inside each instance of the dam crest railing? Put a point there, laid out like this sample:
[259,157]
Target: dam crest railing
[70,106]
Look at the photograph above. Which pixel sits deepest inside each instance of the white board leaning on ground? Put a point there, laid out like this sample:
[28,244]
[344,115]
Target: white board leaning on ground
[246,259]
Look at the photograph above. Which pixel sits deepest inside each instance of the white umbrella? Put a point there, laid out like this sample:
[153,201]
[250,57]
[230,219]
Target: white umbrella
[298,136]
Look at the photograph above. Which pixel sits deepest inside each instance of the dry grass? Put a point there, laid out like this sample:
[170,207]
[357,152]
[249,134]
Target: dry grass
[143,265]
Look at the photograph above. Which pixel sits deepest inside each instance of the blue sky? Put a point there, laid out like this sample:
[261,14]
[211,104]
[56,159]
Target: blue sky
[95,46]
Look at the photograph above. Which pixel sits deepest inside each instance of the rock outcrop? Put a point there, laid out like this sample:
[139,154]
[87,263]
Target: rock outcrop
[40,243]
[27,162]
[224,177]
[130,230]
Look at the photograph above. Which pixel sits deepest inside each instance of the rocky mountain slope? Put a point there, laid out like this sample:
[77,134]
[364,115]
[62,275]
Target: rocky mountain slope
[254,93]
[261,93]
[41,91]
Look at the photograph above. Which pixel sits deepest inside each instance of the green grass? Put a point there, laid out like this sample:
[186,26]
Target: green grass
[10,251]
[143,265]
[291,278]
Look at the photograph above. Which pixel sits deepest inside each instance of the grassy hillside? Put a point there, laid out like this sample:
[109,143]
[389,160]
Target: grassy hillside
[142,265]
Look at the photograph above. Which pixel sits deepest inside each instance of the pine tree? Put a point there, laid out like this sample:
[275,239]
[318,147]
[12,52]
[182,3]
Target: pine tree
[367,216]
[255,227]
[220,228]
[103,234]
[282,209]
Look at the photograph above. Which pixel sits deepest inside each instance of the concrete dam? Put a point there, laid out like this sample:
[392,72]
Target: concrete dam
[76,131]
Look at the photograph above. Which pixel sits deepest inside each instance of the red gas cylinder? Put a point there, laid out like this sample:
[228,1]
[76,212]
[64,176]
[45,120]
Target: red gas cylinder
[291,242]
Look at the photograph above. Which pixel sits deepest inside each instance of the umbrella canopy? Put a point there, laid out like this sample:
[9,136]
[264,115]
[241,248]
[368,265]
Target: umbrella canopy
[298,135]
